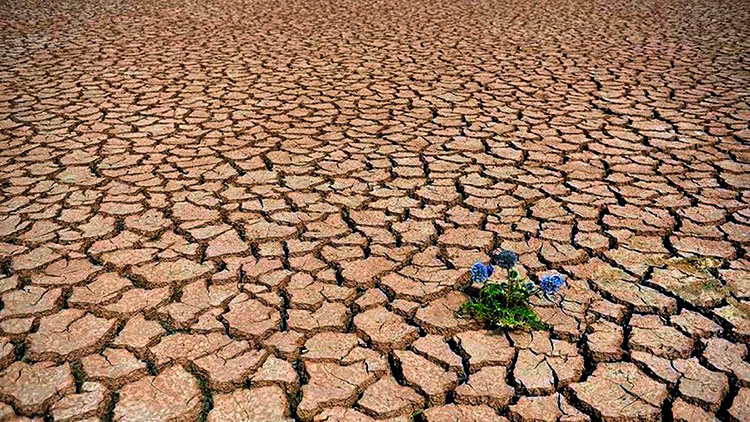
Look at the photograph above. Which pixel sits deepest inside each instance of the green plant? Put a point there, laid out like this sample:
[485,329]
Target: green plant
[506,303]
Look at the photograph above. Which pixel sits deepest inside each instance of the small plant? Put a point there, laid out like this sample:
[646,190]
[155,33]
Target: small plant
[506,303]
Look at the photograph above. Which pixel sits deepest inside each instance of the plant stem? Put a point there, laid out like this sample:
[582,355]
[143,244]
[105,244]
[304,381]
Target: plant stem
[510,286]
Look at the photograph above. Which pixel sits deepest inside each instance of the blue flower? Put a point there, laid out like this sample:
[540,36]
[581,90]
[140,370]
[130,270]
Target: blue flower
[480,272]
[504,258]
[551,283]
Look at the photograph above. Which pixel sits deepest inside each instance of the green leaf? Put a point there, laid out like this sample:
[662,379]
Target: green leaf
[503,305]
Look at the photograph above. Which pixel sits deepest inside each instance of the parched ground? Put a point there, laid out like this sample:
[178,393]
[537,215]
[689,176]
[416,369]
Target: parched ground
[265,211]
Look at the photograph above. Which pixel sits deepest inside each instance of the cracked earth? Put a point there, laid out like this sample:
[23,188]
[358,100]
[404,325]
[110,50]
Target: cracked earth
[266,210]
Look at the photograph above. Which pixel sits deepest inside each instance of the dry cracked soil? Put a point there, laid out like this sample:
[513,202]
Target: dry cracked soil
[234,210]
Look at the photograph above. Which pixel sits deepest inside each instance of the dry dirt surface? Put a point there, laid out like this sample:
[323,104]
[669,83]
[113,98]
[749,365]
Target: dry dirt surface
[266,210]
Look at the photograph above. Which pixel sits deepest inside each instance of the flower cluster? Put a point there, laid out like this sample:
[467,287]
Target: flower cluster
[504,258]
[480,272]
[551,283]
[506,302]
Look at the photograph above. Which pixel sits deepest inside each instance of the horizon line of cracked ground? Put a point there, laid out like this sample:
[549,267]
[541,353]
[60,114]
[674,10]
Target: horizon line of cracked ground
[266,210]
